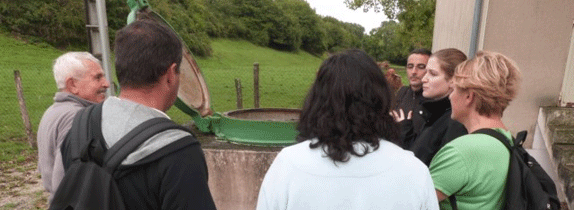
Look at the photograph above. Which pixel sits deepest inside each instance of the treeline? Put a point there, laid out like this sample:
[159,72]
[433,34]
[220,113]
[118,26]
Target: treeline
[393,40]
[288,25]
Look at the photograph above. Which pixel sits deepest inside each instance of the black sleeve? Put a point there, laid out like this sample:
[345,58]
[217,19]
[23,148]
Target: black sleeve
[407,134]
[184,180]
[397,102]
[455,130]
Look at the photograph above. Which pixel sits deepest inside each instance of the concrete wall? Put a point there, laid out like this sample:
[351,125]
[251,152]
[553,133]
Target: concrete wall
[235,176]
[452,25]
[534,33]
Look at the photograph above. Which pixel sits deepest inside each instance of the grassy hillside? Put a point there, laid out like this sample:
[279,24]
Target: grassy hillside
[34,63]
[284,79]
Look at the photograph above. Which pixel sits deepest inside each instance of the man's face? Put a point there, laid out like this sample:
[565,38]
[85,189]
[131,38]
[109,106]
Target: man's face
[416,69]
[92,86]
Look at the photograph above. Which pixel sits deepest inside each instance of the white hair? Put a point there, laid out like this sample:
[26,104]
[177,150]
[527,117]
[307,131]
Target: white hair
[72,65]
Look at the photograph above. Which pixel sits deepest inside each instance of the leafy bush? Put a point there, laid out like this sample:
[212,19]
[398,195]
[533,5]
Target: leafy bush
[187,18]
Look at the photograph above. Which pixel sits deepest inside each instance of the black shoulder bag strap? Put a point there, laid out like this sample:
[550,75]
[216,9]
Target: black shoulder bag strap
[81,136]
[133,139]
[501,138]
[496,135]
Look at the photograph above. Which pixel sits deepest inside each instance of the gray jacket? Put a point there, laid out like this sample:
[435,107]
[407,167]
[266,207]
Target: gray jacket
[54,125]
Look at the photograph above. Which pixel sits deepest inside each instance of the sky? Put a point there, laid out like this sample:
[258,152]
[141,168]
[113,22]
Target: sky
[338,10]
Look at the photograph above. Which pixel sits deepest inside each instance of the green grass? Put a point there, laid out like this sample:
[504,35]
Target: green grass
[284,77]
[401,70]
[14,153]
[34,63]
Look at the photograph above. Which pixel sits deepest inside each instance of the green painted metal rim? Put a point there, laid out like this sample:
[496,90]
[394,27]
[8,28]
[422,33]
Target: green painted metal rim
[256,132]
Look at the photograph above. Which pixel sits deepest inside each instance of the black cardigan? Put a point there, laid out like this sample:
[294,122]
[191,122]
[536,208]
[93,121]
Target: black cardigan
[438,130]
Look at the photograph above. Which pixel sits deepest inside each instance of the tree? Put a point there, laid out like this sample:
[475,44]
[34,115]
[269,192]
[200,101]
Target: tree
[312,33]
[383,43]
[415,20]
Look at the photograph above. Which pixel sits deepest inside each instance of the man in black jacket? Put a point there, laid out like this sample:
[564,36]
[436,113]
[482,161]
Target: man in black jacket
[168,171]
[408,98]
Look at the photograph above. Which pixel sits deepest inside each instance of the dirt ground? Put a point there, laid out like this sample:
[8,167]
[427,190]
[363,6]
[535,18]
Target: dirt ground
[21,187]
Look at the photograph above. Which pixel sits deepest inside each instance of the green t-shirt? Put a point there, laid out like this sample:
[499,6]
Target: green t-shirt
[474,168]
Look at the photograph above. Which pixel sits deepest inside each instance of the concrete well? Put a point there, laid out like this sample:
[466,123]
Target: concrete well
[235,171]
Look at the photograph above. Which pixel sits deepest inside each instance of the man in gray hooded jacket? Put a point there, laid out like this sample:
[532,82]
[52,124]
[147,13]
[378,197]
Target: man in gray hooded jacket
[81,83]
[168,170]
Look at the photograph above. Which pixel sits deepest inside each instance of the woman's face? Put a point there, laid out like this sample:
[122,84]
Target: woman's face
[435,84]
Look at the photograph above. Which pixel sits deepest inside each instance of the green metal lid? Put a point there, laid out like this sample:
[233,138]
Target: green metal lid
[235,126]
[193,94]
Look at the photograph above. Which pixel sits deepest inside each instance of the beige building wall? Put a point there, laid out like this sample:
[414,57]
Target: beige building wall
[534,33]
[452,25]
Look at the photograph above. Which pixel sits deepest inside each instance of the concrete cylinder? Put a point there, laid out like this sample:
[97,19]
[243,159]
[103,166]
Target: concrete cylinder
[235,176]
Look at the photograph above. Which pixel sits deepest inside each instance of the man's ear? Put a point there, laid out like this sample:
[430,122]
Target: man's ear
[172,73]
[71,85]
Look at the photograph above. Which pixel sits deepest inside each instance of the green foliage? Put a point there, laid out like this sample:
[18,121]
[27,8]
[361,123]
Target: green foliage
[417,23]
[262,22]
[53,21]
[339,38]
[391,8]
[287,25]
[281,24]
[414,30]
[187,18]
[383,43]
[285,34]
[312,32]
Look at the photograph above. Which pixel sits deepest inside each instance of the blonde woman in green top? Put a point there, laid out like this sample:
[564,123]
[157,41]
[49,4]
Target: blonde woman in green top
[474,167]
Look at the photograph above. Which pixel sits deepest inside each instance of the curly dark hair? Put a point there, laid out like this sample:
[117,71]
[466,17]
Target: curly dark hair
[349,102]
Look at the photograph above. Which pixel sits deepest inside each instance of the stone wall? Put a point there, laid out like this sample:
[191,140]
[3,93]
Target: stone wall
[556,125]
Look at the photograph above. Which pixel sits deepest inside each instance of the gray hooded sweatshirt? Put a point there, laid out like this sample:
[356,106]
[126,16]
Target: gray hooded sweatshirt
[54,125]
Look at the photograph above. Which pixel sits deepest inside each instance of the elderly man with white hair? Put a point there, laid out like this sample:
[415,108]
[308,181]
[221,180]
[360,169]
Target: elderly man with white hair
[81,83]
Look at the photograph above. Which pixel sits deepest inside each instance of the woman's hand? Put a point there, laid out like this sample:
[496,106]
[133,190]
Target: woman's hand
[399,115]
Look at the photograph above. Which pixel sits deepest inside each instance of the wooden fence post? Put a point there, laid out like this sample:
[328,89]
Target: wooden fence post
[256,85]
[23,110]
[239,94]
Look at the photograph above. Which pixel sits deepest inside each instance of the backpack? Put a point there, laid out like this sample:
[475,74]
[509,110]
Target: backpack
[89,181]
[528,186]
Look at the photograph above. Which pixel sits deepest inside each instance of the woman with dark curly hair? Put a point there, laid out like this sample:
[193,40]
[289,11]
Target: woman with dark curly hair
[346,158]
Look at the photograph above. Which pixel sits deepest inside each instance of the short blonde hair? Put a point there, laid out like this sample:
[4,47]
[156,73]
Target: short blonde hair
[493,77]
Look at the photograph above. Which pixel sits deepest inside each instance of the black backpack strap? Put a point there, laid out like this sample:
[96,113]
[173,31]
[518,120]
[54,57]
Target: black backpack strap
[133,139]
[496,135]
[501,138]
[452,200]
[520,138]
[77,143]
[96,147]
